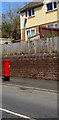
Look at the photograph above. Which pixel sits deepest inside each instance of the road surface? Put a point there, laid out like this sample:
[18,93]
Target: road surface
[27,103]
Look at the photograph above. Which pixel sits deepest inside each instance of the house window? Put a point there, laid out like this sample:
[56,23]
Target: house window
[55,5]
[56,25]
[26,13]
[30,32]
[51,6]
[32,11]
[29,13]
[53,25]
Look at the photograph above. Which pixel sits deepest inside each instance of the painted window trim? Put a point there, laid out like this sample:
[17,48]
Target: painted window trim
[28,14]
[30,31]
[52,7]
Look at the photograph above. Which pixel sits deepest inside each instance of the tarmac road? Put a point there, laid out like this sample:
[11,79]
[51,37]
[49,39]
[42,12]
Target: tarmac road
[44,91]
[29,103]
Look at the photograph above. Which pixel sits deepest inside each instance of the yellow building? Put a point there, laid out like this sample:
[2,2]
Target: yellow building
[35,14]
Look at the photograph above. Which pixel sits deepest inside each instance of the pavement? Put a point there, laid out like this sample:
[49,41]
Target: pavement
[35,84]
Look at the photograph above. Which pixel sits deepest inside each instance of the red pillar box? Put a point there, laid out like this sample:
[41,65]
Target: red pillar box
[6,70]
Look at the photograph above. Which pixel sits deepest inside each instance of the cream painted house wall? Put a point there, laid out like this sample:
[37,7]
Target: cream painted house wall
[41,16]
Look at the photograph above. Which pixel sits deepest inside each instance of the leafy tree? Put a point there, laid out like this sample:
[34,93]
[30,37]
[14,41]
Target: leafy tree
[6,30]
[11,24]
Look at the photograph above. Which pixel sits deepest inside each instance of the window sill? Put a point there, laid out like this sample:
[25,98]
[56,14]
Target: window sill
[30,17]
[51,11]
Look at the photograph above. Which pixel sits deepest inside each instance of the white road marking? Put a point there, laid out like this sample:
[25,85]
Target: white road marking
[13,113]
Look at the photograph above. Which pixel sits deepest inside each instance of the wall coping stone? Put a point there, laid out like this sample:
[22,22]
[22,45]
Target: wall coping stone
[32,56]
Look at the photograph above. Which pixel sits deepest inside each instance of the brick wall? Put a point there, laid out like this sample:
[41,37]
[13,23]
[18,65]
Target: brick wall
[42,67]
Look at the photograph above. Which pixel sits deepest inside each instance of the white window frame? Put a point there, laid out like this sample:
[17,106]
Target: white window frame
[52,6]
[53,25]
[30,32]
[28,13]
